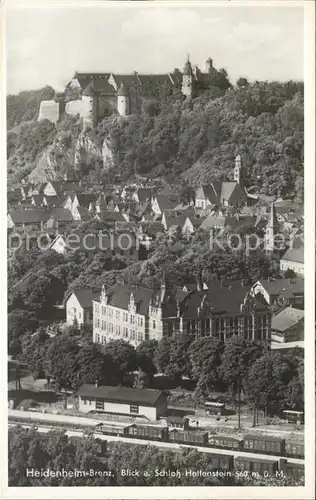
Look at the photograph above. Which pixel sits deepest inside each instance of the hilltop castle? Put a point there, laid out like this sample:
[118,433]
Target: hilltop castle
[96,95]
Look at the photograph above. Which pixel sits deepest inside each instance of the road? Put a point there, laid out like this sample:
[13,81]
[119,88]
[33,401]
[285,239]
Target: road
[60,418]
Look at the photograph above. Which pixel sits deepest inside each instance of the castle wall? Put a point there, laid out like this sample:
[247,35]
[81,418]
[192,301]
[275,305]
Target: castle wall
[49,110]
[74,107]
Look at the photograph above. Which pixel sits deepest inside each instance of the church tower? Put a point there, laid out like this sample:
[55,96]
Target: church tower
[272,229]
[123,104]
[187,88]
[239,172]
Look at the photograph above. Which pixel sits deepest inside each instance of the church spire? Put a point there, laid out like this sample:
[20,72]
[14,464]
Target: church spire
[272,228]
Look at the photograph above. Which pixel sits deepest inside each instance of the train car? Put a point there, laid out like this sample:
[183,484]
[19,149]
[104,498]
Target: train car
[296,471]
[198,438]
[225,441]
[111,429]
[261,466]
[143,431]
[222,462]
[265,444]
[294,449]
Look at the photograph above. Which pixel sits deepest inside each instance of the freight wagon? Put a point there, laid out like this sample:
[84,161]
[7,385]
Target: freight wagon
[296,471]
[199,438]
[261,466]
[264,444]
[111,429]
[148,432]
[222,462]
[223,441]
[294,449]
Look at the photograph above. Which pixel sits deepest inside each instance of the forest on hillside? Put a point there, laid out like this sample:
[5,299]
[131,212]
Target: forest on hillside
[196,139]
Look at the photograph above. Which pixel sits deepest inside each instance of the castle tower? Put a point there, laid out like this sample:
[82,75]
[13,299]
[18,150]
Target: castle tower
[187,88]
[272,229]
[89,110]
[60,98]
[123,103]
[209,66]
[239,172]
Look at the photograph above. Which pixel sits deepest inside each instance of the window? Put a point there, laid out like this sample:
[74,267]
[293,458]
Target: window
[111,313]
[98,339]
[133,335]
[110,327]
[140,321]
[99,405]
[134,409]
[118,330]
[84,402]
[154,324]
[125,317]
[118,314]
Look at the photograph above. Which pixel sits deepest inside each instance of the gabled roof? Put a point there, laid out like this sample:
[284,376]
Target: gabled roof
[85,296]
[85,199]
[294,255]
[129,395]
[119,296]
[286,319]
[32,216]
[165,202]
[89,90]
[60,214]
[145,194]
[111,216]
[85,78]
[54,201]
[227,190]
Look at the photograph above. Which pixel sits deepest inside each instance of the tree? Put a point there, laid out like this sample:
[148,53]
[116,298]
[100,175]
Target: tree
[93,365]
[238,357]
[205,356]
[19,323]
[146,351]
[34,349]
[187,195]
[124,357]
[61,363]
[179,364]
[242,82]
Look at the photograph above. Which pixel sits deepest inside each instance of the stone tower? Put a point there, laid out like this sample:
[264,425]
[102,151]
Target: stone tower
[239,172]
[272,230]
[123,104]
[187,88]
[209,66]
[60,98]
[89,106]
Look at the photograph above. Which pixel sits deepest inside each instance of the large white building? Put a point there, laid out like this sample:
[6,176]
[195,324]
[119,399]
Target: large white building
[133,313]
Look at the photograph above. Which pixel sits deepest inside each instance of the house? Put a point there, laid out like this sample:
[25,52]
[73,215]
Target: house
[79,306]
[293,260]
[280,292]
[58,244]
[22,218]
[288,326]
[219,223]
[59,218]
[53,188]
[191,225]
[132,402]
[160,203]
[110,217]
[13,196]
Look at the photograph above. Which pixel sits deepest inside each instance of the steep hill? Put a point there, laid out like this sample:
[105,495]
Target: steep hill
[193,139]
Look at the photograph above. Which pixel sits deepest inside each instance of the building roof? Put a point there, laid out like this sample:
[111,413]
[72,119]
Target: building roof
[111,216]
[142,397]
[61,214]
[119,296]
[175,419]
[89,90]
[32,216]
[165,202]
[54,201]
[294,255]
[122,90]
[85,199]
[85,296]
[144,194]
[225,298]
[85,78]
[286,319]
[227,190]
[288,287]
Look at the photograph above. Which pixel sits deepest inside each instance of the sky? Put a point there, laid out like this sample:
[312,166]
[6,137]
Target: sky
[46,45]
